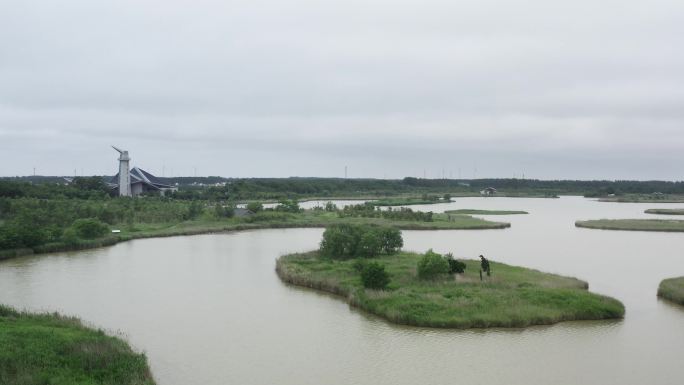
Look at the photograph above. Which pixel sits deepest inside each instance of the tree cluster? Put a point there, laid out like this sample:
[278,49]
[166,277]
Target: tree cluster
[368,210]
[345,241]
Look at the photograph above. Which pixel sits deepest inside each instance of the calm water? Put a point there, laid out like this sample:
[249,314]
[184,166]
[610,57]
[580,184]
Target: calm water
[209,309]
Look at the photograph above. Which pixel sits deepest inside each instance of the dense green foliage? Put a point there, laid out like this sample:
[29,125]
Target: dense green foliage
[89,228]
[672,289]
[344,241]
[374,276]
[514,297]
[666,225]
[432,266]
[52,349]
[224,189]
[368,210]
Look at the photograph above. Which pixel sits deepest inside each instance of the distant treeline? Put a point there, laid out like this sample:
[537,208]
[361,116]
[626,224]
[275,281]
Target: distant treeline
[205,188]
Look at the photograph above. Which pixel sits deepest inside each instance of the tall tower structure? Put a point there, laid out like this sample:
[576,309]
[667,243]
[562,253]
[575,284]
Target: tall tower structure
[124,173]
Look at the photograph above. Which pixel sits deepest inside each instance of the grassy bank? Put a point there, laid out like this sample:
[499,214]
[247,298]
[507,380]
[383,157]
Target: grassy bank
[407,201]
[672,289]
[511,297]
[57,350]
[667,225]
[665,211]
[645,198]
[485,212]
[264,220]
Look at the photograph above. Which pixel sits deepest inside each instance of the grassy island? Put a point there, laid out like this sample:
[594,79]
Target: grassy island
[644,198]
[485,212]
[511,297]
[665,211]
[408,201]
[666,225]
[58,350]
[672,289]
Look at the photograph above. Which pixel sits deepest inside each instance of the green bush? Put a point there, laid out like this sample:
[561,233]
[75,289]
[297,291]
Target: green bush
[88,228]
[455,267]
[290,206]
[374,276]
[344,241]
[432,265]
[255,207]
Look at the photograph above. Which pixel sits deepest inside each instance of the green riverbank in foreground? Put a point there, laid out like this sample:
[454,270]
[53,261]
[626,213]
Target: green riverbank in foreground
[665,211]
[672,289]
[261,220]
[57,350]
[485,212]
[666,225]
[511,297]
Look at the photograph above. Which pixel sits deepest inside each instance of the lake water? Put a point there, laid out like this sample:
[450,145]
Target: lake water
[209,309]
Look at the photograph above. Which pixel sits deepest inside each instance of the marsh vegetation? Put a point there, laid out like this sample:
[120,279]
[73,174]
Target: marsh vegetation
[60,350]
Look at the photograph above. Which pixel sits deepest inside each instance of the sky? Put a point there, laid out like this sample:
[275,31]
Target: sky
[387,88]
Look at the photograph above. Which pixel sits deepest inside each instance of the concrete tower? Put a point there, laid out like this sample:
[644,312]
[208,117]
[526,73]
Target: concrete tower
[124,173]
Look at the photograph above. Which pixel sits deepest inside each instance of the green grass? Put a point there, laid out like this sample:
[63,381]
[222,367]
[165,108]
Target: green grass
[665,211]
[672,289]
[56,350]
[667,225]
[485,212]
[511,297]
[264,220]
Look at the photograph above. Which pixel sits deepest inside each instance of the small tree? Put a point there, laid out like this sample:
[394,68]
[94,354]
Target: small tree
[447,197]
[329,206]
[432,265]
[255,207]
[374,276]
[391,240]
[455,267]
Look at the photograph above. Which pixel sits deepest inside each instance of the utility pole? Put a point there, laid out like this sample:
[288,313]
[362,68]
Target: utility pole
[345,172]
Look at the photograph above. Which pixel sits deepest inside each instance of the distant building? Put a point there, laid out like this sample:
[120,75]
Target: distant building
[136,181]
[488,191]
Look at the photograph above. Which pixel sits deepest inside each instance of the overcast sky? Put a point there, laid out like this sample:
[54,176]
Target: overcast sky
[390,88]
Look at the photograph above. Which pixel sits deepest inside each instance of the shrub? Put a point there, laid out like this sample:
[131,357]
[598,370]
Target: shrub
[345,241]
[391,240]
[89,228]
[255,207]
[290,206]
[374,276]
[455,267]
[432,265]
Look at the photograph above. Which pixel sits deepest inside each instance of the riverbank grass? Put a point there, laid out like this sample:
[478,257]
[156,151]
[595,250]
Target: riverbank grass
[672,289]
[666,225]
[665,211]
[58,350]
[512,297]
[485,212]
